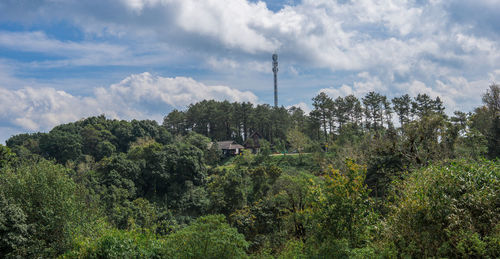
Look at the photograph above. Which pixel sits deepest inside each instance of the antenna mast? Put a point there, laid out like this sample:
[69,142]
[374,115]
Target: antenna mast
[275,71]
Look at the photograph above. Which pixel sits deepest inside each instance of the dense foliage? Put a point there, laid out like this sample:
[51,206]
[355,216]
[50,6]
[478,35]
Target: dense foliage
[454,206]
[361,178]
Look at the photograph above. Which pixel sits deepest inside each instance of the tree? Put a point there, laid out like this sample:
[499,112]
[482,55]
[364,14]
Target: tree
[402,107]
[491,99]
[61,145]
[207,237]
[340,216]
[447,210]
[424,105]
[113,243]
[7,157]
[298,140]
[353,109]
[340,111]
[289,194]
[298,117]
[175,122]
[422,141]
[374,110]
[14,234]
[323,106]
[53,205]
[227,189]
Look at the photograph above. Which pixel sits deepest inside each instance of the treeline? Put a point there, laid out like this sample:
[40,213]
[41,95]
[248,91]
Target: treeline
[358,186]
[236,121]
[340,118]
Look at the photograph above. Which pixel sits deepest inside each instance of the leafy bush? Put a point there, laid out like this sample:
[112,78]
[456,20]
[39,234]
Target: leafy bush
[207,237]
[448,210]
[52,204]
[116,243]
[13,228]
[340,218]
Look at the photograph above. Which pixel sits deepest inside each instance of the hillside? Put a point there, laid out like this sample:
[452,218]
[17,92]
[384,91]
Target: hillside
[353,178]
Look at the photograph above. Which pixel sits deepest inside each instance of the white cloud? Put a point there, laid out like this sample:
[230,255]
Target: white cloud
[138,96]
[229,21]
[303,106]
[364,85]
[85,53]
[457,93]
[339,35]
[389,46]
[232,65]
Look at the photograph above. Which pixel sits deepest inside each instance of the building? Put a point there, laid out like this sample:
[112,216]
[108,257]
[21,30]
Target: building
[253,142]
[229,148]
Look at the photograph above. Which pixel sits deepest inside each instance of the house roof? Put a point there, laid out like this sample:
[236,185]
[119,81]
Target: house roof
[229,144]
[253,140]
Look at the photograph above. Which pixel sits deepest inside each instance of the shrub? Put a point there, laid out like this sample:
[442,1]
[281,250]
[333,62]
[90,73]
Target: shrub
[48,201]
[207,237]
[448,210]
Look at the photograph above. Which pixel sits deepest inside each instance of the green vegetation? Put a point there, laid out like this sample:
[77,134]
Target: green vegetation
[340,182]
[454,206]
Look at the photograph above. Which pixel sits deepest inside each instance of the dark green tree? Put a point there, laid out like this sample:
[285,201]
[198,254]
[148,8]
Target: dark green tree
[402,107]
[323,107]
[14,234]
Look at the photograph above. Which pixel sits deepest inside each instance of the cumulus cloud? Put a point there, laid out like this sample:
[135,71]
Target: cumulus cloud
[457,93]
[390,35]
[138,96]
[303,106]
[445,48]
[351,35]
[366,83]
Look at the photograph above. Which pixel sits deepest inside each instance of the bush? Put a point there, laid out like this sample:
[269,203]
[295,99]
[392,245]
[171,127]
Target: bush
[449,210]
[116,243]
[340,218]
[13,228]
[48,201]
[207,237]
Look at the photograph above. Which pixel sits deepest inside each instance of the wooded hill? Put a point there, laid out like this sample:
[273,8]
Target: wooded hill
[361,178]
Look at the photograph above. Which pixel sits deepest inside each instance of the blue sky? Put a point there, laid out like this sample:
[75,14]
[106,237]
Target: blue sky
[61,61]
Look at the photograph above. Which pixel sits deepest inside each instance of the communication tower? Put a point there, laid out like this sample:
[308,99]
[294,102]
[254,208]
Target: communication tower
[275,71]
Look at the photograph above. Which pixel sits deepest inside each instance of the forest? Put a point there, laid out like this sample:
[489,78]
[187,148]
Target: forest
[354,178]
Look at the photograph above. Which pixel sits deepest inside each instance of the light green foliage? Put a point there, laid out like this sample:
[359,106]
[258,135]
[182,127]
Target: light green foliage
[294,249]
[246,158]
[264,152]
[117,244]
[145,186]
[339,218]
[207,237]
[197,140]
[53,204]
[298,140]
[6,156]
[449,210]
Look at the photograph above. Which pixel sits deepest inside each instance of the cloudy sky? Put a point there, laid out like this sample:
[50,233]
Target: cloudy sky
[62,60]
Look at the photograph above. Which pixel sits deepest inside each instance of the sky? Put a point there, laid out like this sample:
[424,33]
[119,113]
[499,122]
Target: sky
[64,60]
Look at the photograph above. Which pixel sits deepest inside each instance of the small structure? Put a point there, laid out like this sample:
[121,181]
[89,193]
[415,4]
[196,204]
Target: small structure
[229,148]
[253,142]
